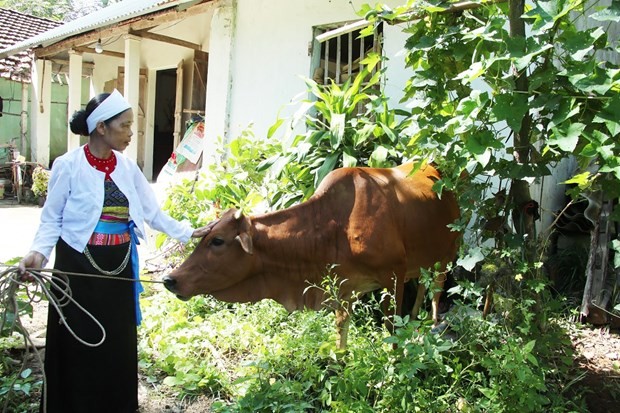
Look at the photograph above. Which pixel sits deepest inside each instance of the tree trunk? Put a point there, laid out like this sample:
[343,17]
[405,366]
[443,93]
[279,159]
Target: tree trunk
[520,191]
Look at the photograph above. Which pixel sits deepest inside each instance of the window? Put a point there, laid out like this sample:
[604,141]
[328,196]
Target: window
[338,57]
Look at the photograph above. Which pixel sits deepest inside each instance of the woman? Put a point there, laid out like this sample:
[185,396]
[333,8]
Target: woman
[97,202]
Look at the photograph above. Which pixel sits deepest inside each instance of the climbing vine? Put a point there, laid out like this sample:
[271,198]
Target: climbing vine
[500,94]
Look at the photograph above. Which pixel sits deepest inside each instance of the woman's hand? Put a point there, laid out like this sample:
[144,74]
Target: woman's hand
[33,259]
[202,231]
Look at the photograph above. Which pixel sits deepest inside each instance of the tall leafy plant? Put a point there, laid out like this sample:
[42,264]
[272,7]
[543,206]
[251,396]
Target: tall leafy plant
[505,93]
[345,125]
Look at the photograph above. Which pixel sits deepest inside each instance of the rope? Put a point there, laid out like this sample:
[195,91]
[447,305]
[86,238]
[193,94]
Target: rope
[10,280]
[77,274]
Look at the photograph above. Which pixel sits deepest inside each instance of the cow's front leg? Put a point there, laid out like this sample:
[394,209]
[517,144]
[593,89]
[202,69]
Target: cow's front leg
[419,300]
[342,326]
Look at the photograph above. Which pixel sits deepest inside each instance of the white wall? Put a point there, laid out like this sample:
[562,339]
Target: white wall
[270,54]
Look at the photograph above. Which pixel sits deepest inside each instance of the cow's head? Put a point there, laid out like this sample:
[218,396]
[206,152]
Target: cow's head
[222,259]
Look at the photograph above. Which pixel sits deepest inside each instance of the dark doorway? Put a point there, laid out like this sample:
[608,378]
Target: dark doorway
[165,95]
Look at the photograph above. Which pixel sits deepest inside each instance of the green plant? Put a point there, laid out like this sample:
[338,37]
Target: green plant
[499,95]
[238,181]
[346,125]
[17,381]
[40,179]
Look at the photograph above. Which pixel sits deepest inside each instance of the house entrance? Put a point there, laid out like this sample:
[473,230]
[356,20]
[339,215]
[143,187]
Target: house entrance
[163,139]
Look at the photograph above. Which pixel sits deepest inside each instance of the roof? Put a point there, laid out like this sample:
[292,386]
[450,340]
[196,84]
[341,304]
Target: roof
[16,27]
[108,16]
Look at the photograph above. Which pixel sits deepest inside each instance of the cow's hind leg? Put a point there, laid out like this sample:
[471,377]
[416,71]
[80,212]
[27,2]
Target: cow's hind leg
[419,299]
[342,327]
[438,288]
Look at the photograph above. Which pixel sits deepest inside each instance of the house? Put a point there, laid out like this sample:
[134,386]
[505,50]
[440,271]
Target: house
[16,27]
[235,62]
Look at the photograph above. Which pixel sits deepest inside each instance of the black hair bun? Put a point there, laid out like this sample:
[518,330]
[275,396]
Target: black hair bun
[78,123]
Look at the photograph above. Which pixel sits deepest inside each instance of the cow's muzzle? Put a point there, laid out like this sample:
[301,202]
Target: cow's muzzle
[170,284]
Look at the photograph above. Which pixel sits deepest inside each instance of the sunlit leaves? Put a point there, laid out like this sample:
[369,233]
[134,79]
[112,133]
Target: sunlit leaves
[567,137]
[545,14]
[582,180]
[580,43]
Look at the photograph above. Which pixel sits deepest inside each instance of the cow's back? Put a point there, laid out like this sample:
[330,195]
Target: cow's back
[392,218]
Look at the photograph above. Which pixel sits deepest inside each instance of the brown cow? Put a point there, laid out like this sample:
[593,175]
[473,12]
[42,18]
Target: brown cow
[378,226]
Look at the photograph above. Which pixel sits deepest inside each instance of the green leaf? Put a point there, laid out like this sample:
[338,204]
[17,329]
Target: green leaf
[172,381]
[582,180]
[511,108]
[609,13]
[546,13]
[525,60]
[529,346]
[348,160]
[580,43]
[379,155]
[566,109]
[328,165]
[597,80]
[389,132]
[567,138]
[336,127]
[614,170]
[609,115]
[474,256]
[371,61]
[473,72]
[274,127]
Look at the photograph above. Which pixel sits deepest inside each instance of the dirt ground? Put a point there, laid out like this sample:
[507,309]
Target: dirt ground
[597,355]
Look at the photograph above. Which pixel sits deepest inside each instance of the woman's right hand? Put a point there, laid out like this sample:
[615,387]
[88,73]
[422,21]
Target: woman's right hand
[33,259]
[202,231]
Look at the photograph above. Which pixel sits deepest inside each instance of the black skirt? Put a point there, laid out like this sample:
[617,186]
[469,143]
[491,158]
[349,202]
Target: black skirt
[102,379]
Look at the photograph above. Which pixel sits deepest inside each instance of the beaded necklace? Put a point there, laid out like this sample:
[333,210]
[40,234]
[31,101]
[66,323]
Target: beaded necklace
[104,165]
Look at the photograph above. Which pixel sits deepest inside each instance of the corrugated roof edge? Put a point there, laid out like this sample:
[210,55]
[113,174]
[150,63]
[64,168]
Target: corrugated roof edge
[108,16]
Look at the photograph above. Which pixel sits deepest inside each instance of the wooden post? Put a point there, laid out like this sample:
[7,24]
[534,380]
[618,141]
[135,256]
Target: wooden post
[596,268]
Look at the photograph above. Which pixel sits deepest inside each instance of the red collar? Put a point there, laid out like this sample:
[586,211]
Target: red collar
[104,165]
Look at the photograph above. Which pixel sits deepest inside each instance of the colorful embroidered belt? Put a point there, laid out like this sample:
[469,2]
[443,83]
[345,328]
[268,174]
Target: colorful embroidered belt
[115,231]
[99,238]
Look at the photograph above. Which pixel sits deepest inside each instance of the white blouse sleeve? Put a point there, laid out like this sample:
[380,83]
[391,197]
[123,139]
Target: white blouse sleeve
[52,214]
[155,217]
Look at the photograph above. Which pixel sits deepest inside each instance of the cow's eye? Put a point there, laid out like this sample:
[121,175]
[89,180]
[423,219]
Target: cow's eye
[216,242]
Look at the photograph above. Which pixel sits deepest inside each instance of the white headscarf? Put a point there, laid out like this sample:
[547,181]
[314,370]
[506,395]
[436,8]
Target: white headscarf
[111,106]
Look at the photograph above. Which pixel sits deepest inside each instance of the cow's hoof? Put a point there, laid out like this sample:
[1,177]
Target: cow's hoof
[439,328]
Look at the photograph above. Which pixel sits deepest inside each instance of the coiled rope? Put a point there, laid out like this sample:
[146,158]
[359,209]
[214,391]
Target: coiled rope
[43,280]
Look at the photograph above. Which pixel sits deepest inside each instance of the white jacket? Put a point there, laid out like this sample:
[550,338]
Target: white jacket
[75,200]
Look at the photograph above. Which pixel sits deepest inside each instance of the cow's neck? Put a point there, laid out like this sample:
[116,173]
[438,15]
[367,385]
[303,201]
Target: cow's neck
[291,244]
[298,234]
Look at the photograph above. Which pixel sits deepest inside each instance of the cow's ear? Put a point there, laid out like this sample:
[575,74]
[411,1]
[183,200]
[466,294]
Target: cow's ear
[246,242]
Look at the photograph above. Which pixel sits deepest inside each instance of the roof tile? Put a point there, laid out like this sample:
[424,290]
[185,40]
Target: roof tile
[14,28]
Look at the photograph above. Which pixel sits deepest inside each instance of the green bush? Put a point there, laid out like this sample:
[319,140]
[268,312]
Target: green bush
[259,358]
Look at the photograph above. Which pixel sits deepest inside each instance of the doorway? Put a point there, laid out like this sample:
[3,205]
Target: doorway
[165,97]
